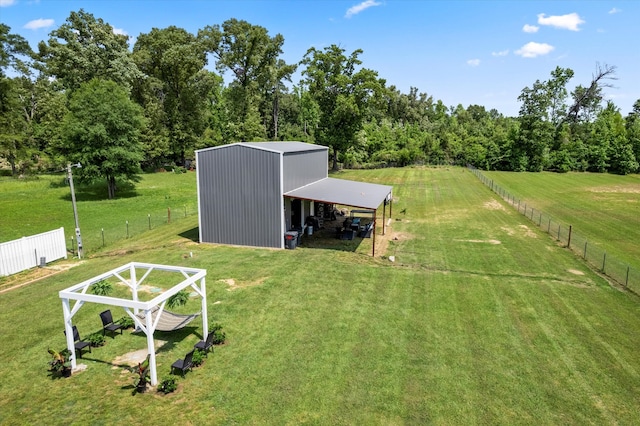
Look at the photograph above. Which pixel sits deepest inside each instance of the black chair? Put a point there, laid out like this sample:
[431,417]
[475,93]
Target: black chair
[183,364]
[78,343]
[207,344]
[108,324]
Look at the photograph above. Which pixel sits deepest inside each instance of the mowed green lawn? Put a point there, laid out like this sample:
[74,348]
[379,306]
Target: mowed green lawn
[43,203]
[481,319]
[603,208]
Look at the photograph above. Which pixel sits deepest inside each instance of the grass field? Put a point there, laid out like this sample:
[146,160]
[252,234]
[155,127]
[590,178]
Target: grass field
[481,319]
[43,203]
[604,208]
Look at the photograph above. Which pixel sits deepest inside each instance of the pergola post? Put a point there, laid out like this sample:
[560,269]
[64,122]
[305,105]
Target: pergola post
[205,320]
[151,347]
[68,331]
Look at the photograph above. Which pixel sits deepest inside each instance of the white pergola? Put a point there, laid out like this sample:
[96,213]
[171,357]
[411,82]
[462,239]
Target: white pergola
[134,306]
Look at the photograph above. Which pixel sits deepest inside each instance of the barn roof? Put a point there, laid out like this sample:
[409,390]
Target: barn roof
[346,192]
[281,147]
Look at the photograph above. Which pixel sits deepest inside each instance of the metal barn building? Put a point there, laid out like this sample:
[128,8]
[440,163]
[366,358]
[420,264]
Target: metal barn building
[251,193]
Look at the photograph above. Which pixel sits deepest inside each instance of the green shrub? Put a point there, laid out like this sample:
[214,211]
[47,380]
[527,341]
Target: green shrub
[198,357]
[59,363]
[126,322]
[179,299]
[96,339]
[167,385]
[219,336]
[179,170]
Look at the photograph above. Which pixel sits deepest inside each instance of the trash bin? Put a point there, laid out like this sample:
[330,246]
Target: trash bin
[309,230]
[290,240]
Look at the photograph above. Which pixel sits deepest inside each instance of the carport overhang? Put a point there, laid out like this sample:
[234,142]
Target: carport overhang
[362,195]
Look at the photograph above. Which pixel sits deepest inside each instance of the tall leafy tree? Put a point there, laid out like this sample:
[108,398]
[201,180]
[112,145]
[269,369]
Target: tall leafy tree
[176,92]
[15,52]
[84,48]
[342,93]
[101,131]
[251,55]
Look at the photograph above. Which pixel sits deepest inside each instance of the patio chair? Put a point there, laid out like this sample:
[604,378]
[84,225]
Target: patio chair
[183,364]
[108,324]
[207,344]
[78,343]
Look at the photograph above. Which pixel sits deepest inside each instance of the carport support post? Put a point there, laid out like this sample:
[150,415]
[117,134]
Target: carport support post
[384,215]
[68,329]
[373,247]
[151,348]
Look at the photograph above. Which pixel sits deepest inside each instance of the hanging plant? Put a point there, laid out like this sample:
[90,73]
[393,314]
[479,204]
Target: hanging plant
[179,299]
[101,288]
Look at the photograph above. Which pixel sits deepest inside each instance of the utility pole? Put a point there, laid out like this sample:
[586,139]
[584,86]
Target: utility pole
[75,209]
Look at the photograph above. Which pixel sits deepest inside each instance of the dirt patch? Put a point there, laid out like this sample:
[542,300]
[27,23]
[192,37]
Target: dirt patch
[527,232]
[493,205]
[521,230]
[481,241]
[617,189]
[37,274]
[234,286]
[575,272]
[132,359]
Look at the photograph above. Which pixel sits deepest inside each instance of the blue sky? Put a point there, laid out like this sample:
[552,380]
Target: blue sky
[462,52]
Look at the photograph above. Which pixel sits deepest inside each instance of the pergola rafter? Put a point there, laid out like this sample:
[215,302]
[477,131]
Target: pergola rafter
[134,306]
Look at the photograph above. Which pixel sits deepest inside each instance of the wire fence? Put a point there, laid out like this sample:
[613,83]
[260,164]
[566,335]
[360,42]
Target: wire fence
[618,271]
[97,237]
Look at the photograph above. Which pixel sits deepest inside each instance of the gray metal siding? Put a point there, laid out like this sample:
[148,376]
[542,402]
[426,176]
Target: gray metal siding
[303,168]
[240,196]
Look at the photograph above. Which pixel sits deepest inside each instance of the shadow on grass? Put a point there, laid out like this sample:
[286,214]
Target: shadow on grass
[192,234]
[96,191]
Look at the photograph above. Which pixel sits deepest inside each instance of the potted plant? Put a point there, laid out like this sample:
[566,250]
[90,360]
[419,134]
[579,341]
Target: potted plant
[219,336]
[59,363]
[143,376]
[168,385]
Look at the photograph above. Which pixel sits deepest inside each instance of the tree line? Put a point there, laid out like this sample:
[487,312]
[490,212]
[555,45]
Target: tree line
[85,95]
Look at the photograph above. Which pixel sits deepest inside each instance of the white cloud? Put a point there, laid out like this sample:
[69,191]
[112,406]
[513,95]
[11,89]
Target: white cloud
[39,23]
[354,10]
[533,49]
[614,10]
[530,28]
[500,53]
[6,3]
[473,62]
[570,21]
[120,31]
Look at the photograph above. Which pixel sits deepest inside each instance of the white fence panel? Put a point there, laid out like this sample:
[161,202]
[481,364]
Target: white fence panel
[25,253]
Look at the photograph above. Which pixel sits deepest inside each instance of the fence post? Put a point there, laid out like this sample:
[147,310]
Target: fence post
[569,240]
[558,232]
[626,283]
[540,220]
[168,214]
[549,227]
[127,228]
[604,261]
[102,237]
[149,217]
[72,252]
[585,250]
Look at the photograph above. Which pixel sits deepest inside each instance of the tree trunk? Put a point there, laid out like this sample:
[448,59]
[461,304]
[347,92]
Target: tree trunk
[335,160]
[111,186]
